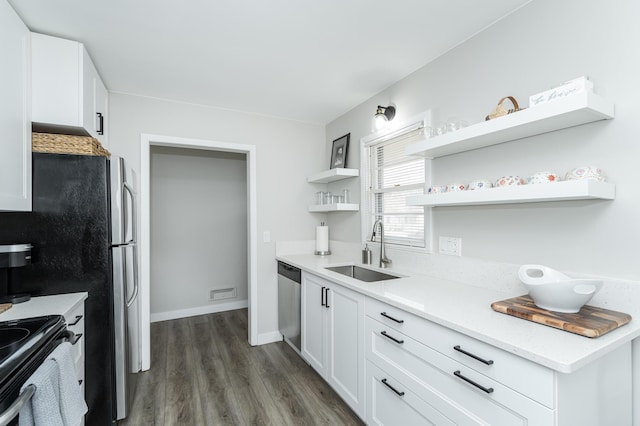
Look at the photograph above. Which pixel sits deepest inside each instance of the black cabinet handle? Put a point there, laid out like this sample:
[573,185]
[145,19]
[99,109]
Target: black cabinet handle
[384,382]
[384,314]
[77,337]
[457,373]
[78,318]
[322,297]
[326,297]
[79,382]
[384,333]
[100,129]
[476,357]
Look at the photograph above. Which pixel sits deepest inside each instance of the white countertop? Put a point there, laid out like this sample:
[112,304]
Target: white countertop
[57,304]
[467,309]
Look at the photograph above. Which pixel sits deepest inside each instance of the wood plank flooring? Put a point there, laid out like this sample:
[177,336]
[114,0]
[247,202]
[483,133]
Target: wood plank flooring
[204,372]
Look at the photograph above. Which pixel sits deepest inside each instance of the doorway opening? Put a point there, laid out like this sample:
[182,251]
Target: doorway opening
[202,151]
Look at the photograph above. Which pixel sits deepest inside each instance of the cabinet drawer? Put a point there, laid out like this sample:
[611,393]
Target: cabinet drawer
[390,402]
[75,319]
[526,377]
[428,371]
[75,323]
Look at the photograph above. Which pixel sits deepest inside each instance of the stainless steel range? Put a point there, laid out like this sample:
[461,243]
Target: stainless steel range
[24,345]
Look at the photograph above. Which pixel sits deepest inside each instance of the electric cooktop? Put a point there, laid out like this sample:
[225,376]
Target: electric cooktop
[21,340]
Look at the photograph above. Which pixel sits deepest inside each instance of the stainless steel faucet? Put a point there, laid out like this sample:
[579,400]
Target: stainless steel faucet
[384,261]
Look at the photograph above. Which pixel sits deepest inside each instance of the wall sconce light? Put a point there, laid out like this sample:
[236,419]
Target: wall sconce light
[382,117]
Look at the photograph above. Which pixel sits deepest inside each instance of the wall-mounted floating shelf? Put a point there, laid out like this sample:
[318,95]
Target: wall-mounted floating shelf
[581,108]
[340,207]
[333,175]
[558,191]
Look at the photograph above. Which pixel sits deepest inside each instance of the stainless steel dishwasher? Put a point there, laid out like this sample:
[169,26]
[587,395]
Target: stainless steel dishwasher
[289,278]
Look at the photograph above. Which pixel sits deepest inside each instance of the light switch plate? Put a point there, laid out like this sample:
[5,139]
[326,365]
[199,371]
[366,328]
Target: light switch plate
[450,245]
[266,237]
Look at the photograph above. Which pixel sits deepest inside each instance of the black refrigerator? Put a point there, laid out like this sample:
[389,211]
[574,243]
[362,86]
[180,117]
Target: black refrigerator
[75,246]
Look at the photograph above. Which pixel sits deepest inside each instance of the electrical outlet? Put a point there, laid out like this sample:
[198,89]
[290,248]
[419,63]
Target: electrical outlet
[266,237]
[451,246]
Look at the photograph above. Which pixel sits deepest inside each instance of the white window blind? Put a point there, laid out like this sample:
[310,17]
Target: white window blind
[394,176]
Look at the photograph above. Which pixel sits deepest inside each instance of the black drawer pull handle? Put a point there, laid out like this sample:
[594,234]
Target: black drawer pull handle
[79,382]
[384,333]
[326,298]
[77,337]
[482,388]
[384,382]
[476,357]
[384,314]
[322,303]
[78,318]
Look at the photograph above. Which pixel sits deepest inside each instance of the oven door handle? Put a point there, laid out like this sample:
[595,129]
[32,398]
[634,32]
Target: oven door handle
[14,409]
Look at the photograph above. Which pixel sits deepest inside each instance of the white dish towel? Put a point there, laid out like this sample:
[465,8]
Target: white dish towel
[58,399]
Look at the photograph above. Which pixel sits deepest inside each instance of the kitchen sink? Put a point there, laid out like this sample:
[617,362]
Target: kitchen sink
[362,274]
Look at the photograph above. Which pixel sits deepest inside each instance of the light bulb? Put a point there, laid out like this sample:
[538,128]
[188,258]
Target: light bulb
[380,121]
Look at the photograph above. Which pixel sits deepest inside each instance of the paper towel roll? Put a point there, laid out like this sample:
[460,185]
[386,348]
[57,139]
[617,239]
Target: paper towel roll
[322,240]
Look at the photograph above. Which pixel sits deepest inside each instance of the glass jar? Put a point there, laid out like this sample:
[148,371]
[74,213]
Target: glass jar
[328,198]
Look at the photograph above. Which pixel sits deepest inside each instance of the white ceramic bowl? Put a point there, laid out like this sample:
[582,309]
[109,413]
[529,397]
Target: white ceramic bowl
[509,181]
[542,177]
[586,172]
[479,184]
[554,291]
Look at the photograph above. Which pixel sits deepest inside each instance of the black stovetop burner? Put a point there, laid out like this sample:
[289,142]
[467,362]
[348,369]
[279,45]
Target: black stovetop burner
[24,344]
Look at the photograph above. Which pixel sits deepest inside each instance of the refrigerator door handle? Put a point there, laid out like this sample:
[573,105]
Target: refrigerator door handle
[134,218]
[135,277]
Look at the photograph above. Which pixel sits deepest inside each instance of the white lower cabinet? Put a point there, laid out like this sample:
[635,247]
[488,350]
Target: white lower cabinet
[75,323]
[395,368]
[333,337]
[74,318]
[440,376]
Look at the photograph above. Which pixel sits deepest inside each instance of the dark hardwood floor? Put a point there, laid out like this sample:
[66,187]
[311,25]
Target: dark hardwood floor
[204,372]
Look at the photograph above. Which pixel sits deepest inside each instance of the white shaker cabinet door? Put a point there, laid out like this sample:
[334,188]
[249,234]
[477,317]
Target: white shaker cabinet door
[313,324]
[15,112]
[346,345]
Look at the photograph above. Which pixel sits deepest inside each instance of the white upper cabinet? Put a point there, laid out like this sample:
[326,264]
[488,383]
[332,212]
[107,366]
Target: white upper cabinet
[68,93]
[15,112]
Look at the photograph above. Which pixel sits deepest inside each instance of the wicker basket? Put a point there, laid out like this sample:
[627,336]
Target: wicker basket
[67,144]
[500,111]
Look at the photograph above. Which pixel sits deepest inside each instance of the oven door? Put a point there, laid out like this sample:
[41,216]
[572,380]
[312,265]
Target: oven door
[20,360]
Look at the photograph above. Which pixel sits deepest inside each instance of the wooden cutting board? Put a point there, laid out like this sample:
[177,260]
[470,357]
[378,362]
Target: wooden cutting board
[5,307]
[589,321]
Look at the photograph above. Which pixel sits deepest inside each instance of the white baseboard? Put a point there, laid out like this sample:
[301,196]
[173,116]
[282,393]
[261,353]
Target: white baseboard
[270,337]
[201,310]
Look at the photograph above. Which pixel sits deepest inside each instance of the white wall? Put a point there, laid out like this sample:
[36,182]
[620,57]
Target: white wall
[198,228]
[287,151]
[541,45]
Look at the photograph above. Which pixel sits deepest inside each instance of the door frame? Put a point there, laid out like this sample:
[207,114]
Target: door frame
[146,142]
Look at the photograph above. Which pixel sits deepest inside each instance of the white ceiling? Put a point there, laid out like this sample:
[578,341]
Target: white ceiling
[307,60]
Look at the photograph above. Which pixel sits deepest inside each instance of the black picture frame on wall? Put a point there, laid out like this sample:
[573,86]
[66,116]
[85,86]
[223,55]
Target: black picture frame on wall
[339,152]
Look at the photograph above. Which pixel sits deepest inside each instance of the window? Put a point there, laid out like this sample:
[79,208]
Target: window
[392,178]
